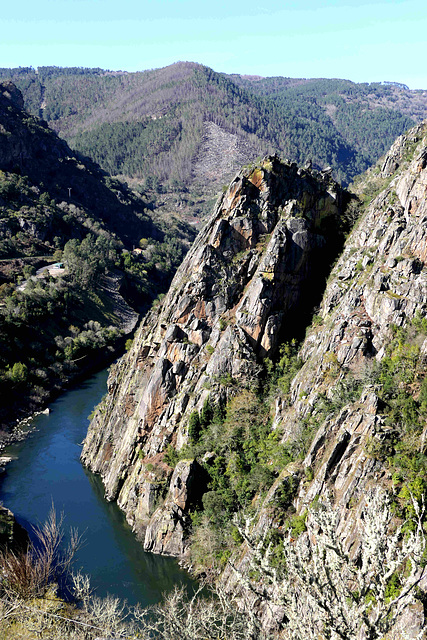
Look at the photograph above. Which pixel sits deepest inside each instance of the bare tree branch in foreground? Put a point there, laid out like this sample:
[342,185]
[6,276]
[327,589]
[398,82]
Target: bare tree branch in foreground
[327,594]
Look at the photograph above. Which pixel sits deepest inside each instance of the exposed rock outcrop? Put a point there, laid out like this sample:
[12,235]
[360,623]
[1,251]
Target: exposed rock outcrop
[380,281]
[243,285]
[378,284]
[247,282]
[12,93]
[167,531]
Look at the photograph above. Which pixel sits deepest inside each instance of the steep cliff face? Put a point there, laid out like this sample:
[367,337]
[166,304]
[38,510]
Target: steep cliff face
[365,364]
[250,278]
[378,285]
[354,419]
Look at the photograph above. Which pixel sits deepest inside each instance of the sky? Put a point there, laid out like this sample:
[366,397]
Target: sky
[351,39]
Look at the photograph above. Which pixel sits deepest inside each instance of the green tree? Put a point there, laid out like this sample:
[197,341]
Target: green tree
[18,373]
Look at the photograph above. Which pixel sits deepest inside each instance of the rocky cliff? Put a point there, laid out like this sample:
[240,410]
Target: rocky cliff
[361,392]
[250,278]
[351,424]
[377,290]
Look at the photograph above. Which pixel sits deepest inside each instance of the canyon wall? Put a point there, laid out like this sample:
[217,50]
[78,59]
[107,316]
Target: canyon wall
[249,279]
[355,414]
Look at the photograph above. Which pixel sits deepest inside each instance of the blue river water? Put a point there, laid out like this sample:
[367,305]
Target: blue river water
[47,471]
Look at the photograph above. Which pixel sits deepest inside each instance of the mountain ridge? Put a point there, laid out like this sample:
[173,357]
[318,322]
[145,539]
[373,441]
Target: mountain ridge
[333,122]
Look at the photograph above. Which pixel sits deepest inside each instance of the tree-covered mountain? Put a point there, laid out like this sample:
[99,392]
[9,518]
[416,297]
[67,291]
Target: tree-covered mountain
[187,126]
[57,206]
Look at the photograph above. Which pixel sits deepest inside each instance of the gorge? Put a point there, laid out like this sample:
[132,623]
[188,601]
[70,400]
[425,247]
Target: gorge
[350,424]
[352,421]
[238,289]
[270,412]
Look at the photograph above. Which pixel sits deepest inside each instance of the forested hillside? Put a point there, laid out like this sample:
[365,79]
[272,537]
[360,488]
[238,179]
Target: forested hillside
[55,207]
[365,115]
[156,126]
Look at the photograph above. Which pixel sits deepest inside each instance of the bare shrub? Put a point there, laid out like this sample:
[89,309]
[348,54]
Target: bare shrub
[179,618]
[109,614]
[324,591]
[30,573]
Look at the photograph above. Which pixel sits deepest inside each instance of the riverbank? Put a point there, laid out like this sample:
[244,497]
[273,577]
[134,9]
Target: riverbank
[73,372]
[18,428]
[20,431]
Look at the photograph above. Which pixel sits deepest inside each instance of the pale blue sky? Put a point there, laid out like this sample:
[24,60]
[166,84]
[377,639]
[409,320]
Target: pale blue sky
[382,40]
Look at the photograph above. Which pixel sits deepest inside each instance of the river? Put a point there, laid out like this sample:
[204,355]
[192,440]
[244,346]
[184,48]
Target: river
[47,470]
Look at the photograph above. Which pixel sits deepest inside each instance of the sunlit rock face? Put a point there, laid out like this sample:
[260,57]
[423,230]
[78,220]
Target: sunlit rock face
[378,285]
[250,278]
[252,274]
